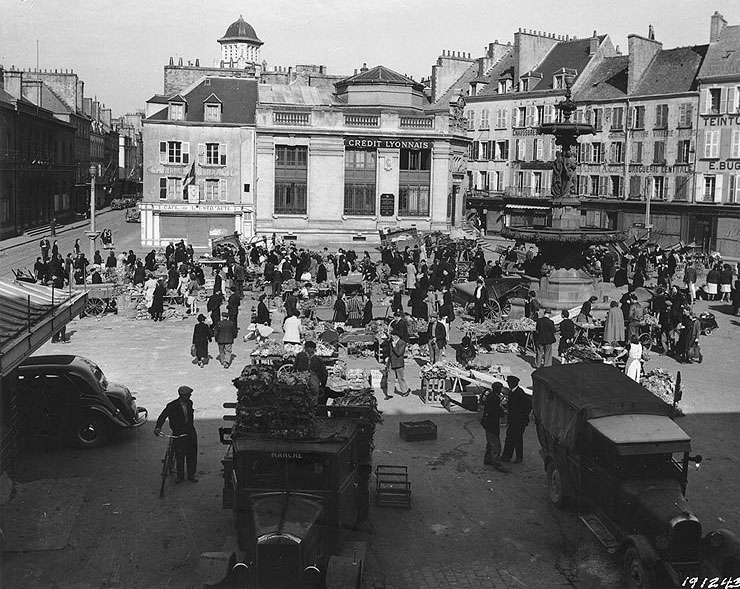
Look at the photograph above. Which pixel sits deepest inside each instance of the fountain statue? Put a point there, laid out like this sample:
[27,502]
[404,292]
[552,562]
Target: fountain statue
[563,242]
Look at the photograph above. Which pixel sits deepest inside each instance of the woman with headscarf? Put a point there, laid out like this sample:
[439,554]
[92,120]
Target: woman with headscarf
[614,325]
[201,338]
[340,310]
[157,307]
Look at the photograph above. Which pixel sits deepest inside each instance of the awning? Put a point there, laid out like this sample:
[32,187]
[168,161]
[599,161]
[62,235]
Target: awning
[29,315]
[528,207]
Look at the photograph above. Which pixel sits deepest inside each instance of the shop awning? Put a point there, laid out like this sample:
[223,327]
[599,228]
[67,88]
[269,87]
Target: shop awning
[29,315]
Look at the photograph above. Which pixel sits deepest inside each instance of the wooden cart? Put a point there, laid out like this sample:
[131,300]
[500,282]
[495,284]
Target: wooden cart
[99,297]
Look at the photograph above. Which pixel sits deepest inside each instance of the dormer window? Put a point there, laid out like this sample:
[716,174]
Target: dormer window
[212,109]
[562,77]
[524,86]
[528,81]
[504,86]
[177,111]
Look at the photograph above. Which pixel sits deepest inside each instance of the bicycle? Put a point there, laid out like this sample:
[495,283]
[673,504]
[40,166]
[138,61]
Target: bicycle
[168,462]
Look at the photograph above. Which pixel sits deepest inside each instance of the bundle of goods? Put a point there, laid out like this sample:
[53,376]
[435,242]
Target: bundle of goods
[596,324]
[582,353]
[417,351]
[512,348]
[177,312]
[283,407]
[433,371]
[291,349]
[378,328]
[660,383]
[649,320]
[523,324]
[325,350]
[352,379]
[268,347]
[417,325]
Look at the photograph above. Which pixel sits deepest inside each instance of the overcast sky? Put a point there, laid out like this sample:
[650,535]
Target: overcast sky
[119,47]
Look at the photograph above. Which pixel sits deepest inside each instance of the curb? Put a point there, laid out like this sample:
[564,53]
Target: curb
[24,240]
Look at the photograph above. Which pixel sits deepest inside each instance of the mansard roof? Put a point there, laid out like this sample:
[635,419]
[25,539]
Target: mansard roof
[608,80]
[573,54]
[380,75]
[672,71]
[723,56]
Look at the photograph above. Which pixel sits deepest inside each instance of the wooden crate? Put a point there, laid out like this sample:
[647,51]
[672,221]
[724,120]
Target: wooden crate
[433,389]
[414,431]
[392,486]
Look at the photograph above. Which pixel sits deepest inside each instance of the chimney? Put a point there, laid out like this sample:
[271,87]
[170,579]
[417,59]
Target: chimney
[718,23]
[364,67]
[32,91]
[651,33]
[641,53]
[13,81]
[593,44]
[197,63]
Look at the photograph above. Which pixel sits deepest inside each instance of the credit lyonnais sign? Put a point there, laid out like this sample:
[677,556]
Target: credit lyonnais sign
[390,143]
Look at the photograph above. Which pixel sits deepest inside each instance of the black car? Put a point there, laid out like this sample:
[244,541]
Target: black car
[68,397]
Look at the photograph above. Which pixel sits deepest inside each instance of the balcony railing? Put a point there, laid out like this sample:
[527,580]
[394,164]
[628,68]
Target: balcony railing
[301,119]
[361,120]
[417,122]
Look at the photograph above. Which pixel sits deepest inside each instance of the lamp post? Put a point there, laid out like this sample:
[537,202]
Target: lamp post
[92,234]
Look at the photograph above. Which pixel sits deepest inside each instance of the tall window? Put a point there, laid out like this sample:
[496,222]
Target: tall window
[214,189]
[470,116]
[735,189]
[212,154]
[521,149]
[291,179]
[537,183]
[682,188]
[638,117]
[617,118]
[414,182]
[659,152]
[711,143]
[710,186]
[502,150]
[359,182]
[637,152]
[617,152]
[735,149]
[174,152]
[170,188]
[715,96]
[597,152]
[538,149]
[500,118]
[684,151]
[617,187]
[658,187]
[520,116]
[594,186]
[598,118]
[540,115]
[686,115]
[635,186]
[661,116]
[485,115]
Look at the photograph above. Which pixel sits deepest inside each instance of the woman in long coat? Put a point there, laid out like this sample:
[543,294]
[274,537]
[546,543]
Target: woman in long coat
[201,338]
[614,325]
[157,307]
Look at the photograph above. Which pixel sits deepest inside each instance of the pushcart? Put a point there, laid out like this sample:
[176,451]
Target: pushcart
[100,297]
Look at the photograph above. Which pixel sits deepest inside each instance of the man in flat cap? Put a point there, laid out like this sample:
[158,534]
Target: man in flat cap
[519,407]
[180,414]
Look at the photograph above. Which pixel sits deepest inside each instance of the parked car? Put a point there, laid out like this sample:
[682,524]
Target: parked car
[133,215]
[118,204]
[611,448]
[68,397]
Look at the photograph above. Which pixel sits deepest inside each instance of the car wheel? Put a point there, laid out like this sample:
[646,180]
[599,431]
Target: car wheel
[89,431]
[637,574]
[555,488]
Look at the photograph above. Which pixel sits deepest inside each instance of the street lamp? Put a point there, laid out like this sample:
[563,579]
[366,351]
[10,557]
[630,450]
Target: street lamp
[92,234]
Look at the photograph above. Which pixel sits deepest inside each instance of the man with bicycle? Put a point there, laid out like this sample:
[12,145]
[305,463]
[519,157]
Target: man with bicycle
[185,442]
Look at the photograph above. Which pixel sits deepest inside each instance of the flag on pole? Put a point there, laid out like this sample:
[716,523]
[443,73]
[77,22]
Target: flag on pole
[189,180]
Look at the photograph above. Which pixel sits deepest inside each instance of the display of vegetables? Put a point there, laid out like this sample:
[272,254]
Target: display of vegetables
[433,371]
[268,347]
[660,383]
[583,353]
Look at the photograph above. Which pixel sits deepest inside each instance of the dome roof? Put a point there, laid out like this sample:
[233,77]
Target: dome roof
[240,30]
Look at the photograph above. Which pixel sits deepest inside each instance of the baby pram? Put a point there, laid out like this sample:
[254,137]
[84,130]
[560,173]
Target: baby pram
[708,323]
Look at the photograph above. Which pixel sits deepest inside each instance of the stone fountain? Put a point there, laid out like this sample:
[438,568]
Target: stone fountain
[563,242]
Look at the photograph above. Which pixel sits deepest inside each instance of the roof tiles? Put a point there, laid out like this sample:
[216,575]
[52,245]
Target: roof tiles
[723,56]
[672,71]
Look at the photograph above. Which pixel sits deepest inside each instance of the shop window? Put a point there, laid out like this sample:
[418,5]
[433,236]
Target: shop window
[359,182]
[413,201]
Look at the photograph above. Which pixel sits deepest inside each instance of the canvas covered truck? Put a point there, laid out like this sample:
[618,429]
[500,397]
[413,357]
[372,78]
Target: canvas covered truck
[297,487]
[611,448]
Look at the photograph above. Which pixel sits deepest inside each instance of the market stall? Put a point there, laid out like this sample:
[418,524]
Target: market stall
[486,334]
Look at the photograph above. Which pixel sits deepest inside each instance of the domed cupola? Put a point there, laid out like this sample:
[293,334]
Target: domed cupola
[240,45]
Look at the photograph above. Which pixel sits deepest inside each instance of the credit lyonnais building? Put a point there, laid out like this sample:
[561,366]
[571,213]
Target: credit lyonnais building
[310,157]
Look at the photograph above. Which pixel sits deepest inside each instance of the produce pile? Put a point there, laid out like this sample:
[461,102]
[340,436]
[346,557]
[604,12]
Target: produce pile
[283,407]
[660,383]
[649,320]
[417,325]
[477,330]
[363,404]
[348,379]
[268,347]
[582,353]
[417,351]
[438,370]
[512,348]
[171,312]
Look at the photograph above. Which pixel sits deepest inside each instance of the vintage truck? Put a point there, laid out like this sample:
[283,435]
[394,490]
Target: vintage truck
[611,448]
[294,502]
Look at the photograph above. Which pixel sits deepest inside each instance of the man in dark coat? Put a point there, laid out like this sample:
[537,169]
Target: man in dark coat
[232,308]
[263,313]
[567,333]
[519,406]
[437,338]
[225,334]
[545,336]
[150,261]
[110,261]
[213,306]
[491,420]
[291,303]
[45,247]
[201,338]
[400,325]
[180,414]
[480,298]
